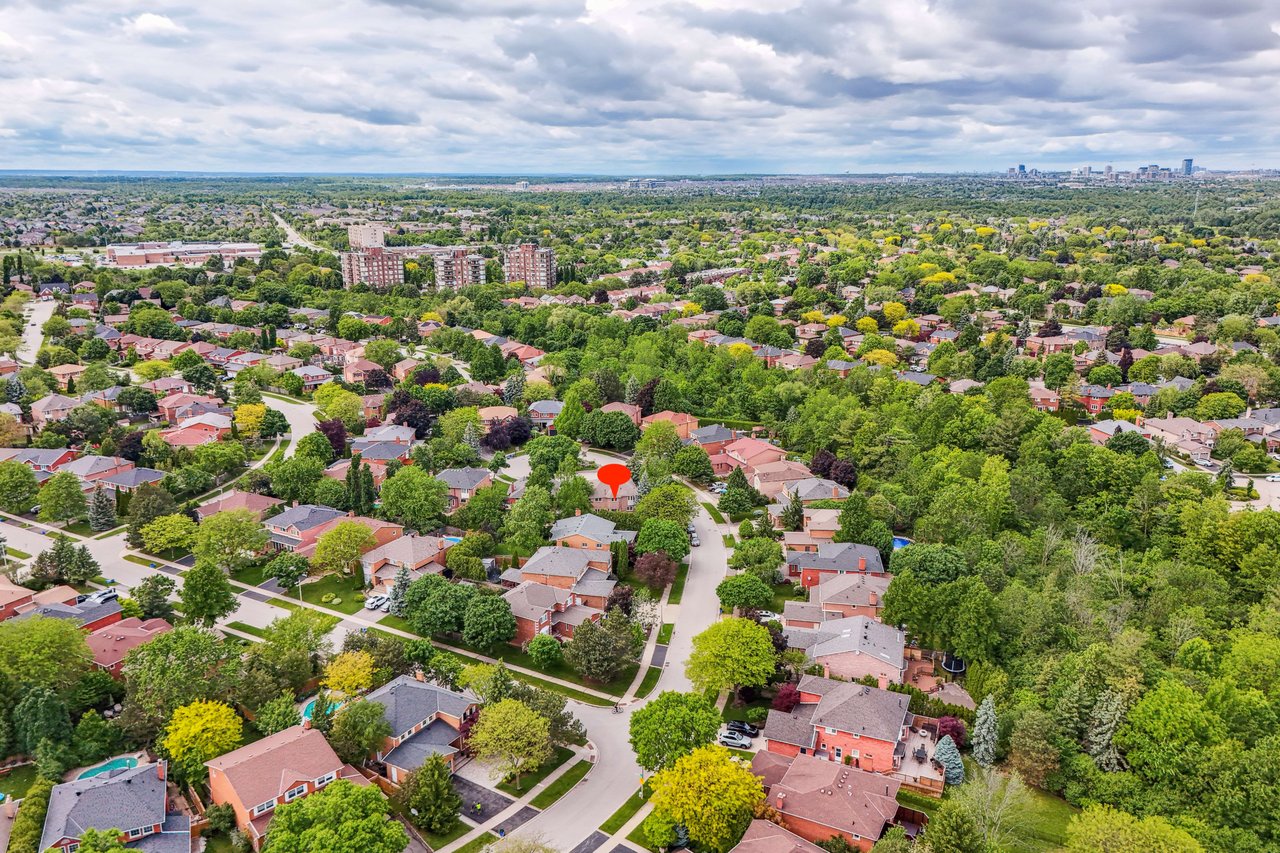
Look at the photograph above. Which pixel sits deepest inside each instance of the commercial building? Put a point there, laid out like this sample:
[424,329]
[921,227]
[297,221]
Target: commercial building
[459,268]
[534,266]
[178,252]
[376,267]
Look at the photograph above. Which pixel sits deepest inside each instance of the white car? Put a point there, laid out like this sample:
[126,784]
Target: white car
[767,616]
[1273,478]
[373,602]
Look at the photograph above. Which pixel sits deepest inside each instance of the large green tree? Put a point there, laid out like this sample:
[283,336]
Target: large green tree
[341,818]
[731,653]
[672,726]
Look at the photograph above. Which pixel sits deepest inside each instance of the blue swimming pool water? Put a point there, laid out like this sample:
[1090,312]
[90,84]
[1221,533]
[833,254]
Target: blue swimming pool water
[451,538]
[311,705]
[125,763]
[900,542]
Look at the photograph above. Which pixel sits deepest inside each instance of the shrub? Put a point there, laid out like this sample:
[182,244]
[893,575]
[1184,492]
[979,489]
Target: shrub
[757,715]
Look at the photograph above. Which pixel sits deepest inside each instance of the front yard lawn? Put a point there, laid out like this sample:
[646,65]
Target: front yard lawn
[628,809]
[435,842]
[739,712]
[349,591]
[475,845]
[715,514]
[649,682]
[252,575]
[533,777]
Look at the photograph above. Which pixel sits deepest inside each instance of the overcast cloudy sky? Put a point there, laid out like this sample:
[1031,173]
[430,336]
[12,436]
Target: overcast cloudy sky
[637,86]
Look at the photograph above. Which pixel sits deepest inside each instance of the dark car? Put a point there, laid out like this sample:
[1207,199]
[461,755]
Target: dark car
[743,728]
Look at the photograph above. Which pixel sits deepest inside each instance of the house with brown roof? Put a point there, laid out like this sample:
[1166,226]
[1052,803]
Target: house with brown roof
[603,497]
[542,609]
[764,836]
[110,644]
[838,596]
[750,453]
[358,370]
[418,555]
[821,799]
[383,532]
[627,409]
[772,479]
[684,423]
[278,769]
[65,374]
[463,483]
[491,416]
[257,504]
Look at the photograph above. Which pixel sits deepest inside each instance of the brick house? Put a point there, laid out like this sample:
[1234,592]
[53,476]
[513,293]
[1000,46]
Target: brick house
[110,644]
[821,799]
[15,599]
[1094,398]
[852,648]
[278,769]
[1045,399]
[54,407]
[833,558]
[491,416]
[870,727]
[591,534]
[838,597]
[764,836]
[134,801]
[258,505]
[425,720]
[296,527]
[542,609]
[419,555]
[463,483]
[91,468]
[312,377]
[382,531]
[543,414]
[627,409]
[750,453]
[602,496]
[358,370]
[684,423]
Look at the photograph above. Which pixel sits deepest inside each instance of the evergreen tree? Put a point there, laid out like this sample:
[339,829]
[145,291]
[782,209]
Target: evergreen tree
[633,390]
[398,589]
[102,510]
[428,797]
[985,732]
[148,503]
[471,436]
[354,485]
[366,490]
[513,391]
[1108,713]
[952,829]
[16,389]
[81,567]
[793,514]
[948,755]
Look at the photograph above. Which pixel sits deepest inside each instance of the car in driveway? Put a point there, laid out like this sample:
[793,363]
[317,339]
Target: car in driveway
[733,740]
[767,616]
[1273,478]
[743,728]
[373,602]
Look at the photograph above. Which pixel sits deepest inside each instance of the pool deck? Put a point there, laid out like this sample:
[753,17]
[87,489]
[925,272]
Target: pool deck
[138,757]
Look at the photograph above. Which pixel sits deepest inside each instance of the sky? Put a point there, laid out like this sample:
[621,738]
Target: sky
[637,86]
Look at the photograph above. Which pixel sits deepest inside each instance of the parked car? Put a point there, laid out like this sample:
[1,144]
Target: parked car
[695,541]
[767,616]
[743,728]
[1273,478]
[386,605]
[373,602]
[734,740]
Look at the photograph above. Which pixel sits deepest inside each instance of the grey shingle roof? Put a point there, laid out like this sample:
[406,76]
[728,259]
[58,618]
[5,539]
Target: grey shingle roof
[304,517]
[857,708]
[408,702]
[838,557]
[435,739]
[462,478]
[854,634]
[81,613]
[124,799]
[134,477]
[591,526]
[555,560]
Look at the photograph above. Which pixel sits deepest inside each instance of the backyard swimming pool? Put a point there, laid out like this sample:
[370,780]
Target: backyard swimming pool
[127,762]
[311,705]
[900,542]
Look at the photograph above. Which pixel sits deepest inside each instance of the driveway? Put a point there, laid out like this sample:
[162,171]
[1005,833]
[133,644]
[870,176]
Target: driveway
[491,802]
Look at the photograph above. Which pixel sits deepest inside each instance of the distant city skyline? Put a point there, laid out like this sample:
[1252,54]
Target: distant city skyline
[637,87]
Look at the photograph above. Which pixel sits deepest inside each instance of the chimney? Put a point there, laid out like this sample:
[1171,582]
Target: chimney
[578,511]
[417,673]
[160,765]
[862,564]
[872,598]
[835,490]
[782,796]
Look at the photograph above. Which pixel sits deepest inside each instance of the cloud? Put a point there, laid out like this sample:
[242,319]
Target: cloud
[637,85]
[153,28]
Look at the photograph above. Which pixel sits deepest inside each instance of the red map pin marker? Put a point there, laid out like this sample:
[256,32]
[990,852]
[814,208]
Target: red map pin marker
[613,475]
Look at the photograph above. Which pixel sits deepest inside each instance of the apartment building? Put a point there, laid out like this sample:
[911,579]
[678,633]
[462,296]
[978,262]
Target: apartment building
[459,268]
[368,236]
[534,266]
[373,266]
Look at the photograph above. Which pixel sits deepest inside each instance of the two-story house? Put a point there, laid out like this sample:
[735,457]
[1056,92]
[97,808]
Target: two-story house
[838,597]
[833,558]
[418,555]
[604,498]
[853,647]
[52,408]
[297,526]
[684,423]
[591,534]
[543,414]
[425,720]
[278,769]
[463,483]
[134,801]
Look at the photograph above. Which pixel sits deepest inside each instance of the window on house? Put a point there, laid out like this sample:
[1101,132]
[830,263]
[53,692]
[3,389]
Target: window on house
[262,807]
[293,793]
[830,730]
[839,752]
[326,779]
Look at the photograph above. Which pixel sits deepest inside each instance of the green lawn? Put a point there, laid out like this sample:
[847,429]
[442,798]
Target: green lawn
[533,777]
[729,541]
[16,554]
[677,585]
[784,592]
[628,810]
[649,682]
[141,561]
[14,784]
[732,712]
[435,842]
[218,844]
[664,633]
[349,589]
[640,839]
[397,622]
[716,515]
[253,575]
[561,786]
[248,629]
[478,844]
[516,657]
[80,528]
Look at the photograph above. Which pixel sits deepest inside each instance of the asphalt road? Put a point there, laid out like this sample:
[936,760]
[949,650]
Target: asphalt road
[36,315]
